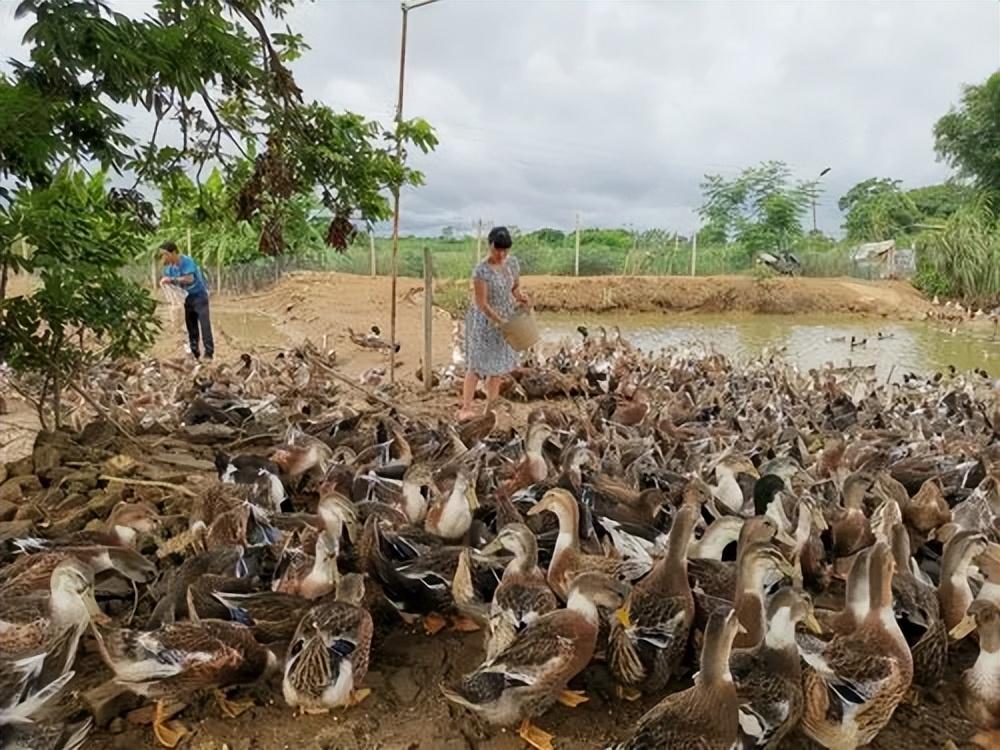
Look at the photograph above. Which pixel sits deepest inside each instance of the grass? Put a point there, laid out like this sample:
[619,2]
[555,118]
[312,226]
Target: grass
[454,259]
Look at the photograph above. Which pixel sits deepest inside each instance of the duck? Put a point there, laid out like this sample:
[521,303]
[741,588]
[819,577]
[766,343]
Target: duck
[727,490]
[769,676]
[372,339]
[271,615]
[255,471]
[525,679]
[51,736]
[450,513]
[567,559]
[296,460]
[979,693]
[329,653]
[180,659]
[127,522]
[705,715]
[419,583]
[649,633]
[33,572]
[852,688]
[533,467]
[523,594]
[315,576]
[954,592]
[918,613]
[858,343]
[25,688]
[31,623]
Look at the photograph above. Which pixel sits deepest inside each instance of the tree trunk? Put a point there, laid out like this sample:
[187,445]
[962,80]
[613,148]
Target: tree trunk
[3,280]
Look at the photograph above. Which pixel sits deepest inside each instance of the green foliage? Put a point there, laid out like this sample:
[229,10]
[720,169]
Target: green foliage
[968,137]
[937,202]
[762,208]
[83,311]
[878,209]
[963,259]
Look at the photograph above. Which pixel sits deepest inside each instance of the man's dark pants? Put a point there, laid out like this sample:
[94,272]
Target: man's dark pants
[195,316]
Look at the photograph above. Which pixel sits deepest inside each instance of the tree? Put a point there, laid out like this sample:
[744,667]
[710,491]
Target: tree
[211,73]
[762,208]
[935,203]
[968,137]
[80,237]
[877,209]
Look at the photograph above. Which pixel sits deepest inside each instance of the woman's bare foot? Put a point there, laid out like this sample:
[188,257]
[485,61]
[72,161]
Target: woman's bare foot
[464,415]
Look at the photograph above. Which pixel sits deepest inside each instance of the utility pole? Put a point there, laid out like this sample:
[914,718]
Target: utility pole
[576,262]
[814,198]
[395,191]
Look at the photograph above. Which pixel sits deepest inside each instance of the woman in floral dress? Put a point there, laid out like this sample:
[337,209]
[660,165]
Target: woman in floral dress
[496,293]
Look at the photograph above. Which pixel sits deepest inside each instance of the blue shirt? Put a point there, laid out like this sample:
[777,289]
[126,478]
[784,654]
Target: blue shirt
[187,267]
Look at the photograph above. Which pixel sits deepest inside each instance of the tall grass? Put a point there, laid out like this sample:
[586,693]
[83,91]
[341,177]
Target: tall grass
[963,259]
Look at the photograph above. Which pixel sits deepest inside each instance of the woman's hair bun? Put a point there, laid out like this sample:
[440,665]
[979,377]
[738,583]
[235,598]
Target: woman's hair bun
[499,237]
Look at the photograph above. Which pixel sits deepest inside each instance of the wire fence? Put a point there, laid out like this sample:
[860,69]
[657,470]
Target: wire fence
[455,259]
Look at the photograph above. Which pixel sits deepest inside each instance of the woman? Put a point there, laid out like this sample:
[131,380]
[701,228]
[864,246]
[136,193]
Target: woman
[496,290]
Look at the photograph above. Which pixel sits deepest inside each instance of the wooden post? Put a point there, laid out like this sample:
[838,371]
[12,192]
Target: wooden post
[218,276]
[694,252]
[576,261]
[479,242]
[374,262]
[428,317]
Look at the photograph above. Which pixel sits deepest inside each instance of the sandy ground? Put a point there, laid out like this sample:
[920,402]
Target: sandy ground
[406,710]
[321,307]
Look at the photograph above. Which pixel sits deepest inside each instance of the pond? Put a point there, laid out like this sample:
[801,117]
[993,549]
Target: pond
[894,347]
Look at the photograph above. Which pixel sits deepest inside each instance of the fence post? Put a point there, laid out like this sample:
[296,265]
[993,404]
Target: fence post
[479,242]
[694,252]
[428,316]
[218,276]
[576,260]
[374,262]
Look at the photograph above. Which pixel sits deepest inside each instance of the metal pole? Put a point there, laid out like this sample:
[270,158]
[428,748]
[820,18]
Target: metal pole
[428,316]
[395,193]
[395,205]
[576,262]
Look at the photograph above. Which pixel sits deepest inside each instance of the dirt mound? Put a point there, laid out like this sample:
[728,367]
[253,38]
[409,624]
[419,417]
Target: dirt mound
[726,294]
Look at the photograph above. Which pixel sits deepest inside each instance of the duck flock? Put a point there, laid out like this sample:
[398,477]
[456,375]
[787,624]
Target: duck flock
[768,555]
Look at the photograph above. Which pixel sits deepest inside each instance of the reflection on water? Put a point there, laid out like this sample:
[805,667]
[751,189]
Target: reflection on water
[807,341]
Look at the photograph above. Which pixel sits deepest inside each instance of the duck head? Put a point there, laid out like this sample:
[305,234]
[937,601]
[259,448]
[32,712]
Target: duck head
[588,591]
[72,600]
[519,540]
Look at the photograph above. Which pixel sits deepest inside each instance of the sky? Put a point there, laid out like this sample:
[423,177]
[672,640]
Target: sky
[616,109]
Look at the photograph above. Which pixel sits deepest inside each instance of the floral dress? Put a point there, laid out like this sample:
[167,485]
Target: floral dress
[486,350]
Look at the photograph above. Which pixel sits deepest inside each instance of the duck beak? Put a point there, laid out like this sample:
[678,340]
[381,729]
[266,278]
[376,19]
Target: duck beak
[471,498]
[539,507]
[96,615]
[812,624]
[622,615]
[964,628]
[492,548]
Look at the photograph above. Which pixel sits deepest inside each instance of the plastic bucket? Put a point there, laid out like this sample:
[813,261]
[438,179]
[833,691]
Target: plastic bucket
[521,331]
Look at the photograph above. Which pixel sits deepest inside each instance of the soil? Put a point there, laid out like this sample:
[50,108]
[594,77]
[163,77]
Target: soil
[406,710]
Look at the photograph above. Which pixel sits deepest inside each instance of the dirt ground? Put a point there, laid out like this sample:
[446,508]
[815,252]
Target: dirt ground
[406,710]
[321,307]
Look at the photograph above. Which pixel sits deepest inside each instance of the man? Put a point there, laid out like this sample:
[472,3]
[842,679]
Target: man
[181,271]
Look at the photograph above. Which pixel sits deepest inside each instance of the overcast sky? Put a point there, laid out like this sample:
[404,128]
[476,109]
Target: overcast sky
[617,109]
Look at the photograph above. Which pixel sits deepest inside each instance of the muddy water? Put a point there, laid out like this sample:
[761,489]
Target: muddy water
[893,347]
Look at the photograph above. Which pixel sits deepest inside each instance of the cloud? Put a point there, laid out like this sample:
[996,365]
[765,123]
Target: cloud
[617,109]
